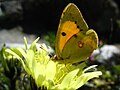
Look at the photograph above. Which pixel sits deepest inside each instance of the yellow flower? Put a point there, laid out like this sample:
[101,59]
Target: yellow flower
[49,73]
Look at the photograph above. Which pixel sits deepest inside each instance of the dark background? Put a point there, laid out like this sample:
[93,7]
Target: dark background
[42,16]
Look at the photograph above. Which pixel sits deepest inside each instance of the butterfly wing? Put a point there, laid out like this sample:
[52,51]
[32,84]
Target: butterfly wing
[71,23]
[79,47]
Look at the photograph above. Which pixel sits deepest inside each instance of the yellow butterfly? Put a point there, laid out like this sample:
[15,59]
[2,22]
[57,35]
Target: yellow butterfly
[75,42]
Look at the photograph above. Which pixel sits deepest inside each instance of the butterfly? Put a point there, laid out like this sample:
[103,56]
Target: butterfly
[75,42]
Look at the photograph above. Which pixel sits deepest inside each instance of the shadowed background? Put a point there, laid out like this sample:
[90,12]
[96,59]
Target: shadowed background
[42,16]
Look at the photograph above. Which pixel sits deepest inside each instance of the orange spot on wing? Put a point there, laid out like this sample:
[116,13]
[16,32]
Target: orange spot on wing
[80,44]
[68,29]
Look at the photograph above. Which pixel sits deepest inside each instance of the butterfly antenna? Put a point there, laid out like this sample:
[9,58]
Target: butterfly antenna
[50,55]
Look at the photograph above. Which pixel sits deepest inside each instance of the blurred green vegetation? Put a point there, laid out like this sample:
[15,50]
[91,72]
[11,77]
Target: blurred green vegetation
[49,38]
[12,74]
[13,77]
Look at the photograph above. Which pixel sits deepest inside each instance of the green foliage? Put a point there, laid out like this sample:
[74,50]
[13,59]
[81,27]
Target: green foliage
[41,71]
[48,73]
[110,69]
[50,38]
[10,71]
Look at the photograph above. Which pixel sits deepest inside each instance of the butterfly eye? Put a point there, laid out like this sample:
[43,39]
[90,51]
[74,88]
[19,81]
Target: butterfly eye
[63,34]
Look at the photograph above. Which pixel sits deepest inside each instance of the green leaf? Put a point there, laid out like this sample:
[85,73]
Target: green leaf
[90,67]
[68,79]
[33,45]
[82,79]
[50,70]
[26,44]
[13,53]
